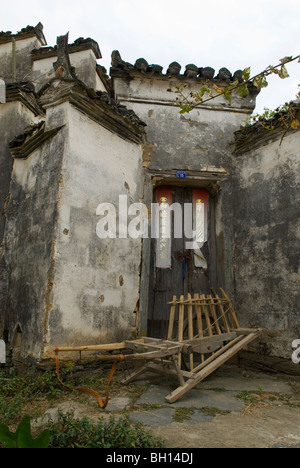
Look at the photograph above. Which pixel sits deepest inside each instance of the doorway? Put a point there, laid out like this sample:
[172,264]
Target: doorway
[179,265]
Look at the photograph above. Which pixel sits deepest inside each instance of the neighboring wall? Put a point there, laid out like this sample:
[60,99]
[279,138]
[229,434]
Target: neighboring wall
[15,52]
[96,281]
[28,243]
[14,116]
[65,285]
[267,241]
[83,56]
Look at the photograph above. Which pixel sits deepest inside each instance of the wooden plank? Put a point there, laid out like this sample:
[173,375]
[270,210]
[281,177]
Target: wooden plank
[179,373]
[247,331]
[231,310]
[186,301]
[198,315]
[209,344]
[171,319]
[160,366]
[214,314]
[223,315]
[134,375]
[206,315]
[159,342]
[209,368]
[143,347]
[215,355]
[180,325]
[199,320]
[181,319]
[103,347]
[110,357]
[161,353]
[190,328]
[157,368]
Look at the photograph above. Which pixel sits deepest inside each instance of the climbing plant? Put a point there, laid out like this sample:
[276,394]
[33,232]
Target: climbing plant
[190,101]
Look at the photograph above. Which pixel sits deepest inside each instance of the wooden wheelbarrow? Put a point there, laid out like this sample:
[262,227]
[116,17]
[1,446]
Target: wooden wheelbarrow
[203,334]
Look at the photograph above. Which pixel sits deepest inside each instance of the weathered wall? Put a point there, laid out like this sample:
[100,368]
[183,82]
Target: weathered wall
[266,240]
[96,281]
[189,141]
[83,61]
[181,140]
[14,116]
[28,243]
[60,283]
[22,62]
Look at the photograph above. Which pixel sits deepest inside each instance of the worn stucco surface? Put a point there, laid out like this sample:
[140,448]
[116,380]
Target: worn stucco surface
[60,284]
[96,281]
[30,228]
[200,138]
[13,118]
[267,241]
[23,61]
[65,285]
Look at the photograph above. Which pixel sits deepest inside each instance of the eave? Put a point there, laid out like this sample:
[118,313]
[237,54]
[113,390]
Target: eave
[25,33]
[265,132]
[23,145]
[98,107]
[23,93]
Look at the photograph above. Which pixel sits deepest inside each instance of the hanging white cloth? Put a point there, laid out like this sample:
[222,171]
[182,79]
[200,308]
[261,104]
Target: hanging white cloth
[2,92]
[2,352]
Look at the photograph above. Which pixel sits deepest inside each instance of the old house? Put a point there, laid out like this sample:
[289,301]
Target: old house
[85,160]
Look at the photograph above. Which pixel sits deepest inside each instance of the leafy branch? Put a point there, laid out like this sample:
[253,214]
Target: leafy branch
[286,116]
[191,101]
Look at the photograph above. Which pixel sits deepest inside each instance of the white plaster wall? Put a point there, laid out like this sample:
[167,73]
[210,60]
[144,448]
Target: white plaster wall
[29,231]
[42,71]
[268,160]
[23,63]
[164,89]
[201,137]
[20,45]
[96,285]
[84,63]
[267,242]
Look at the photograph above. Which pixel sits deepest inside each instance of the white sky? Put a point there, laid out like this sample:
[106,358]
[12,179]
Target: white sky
[234,33]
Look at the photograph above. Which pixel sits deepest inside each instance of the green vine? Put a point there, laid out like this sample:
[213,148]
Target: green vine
[285,117]
[289,115]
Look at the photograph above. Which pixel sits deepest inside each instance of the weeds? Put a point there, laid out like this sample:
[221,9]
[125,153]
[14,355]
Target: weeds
[15,392]
[17,395]
[117,433]
[10,409]
[183,414]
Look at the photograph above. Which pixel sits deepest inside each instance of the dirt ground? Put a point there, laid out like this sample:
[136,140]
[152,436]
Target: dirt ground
[233,408]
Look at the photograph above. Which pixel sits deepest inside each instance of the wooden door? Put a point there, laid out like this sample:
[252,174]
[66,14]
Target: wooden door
[175,268]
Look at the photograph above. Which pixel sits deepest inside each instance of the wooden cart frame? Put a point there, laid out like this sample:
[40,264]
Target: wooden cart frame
[203,334]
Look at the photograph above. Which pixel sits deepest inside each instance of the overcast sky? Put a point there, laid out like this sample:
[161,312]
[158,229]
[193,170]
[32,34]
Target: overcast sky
[232,34]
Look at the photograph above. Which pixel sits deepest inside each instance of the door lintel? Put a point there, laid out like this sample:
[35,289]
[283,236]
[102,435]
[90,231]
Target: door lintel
[207,177]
